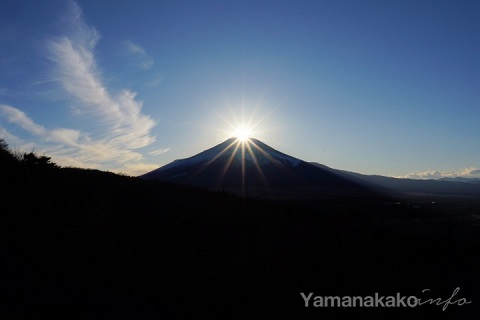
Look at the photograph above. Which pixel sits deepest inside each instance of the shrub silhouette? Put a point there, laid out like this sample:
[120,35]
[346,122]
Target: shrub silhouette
[9,163]
[6,155]
[3,145]
[42,162]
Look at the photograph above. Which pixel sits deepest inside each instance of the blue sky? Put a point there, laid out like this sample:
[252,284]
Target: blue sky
[377,87]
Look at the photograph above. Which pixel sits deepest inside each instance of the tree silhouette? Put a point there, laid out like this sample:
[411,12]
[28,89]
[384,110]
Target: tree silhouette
[6,156]
[32,160]
[3,145]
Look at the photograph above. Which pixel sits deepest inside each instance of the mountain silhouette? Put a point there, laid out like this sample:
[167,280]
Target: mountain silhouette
[459,186]
[253,168]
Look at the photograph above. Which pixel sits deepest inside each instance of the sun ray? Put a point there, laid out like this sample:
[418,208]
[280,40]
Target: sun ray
[277,163]
[242,126]
[243,166]
[254,114]
[253,126]
[213,159]
[227,122]
[242,133]
[228,164]
[220,153]
[234,116]
[266,154]
[256,164]
[243,116]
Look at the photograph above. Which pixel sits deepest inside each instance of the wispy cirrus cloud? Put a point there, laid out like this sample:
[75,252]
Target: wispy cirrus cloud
[122,127]
[470,172]
[138,56]
[9,137]
[77,72]
[18,117]
[159,151]
[67,143]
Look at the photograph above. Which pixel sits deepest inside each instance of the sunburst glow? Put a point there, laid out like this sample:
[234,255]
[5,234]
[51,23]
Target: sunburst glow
[243,149]
[242,133]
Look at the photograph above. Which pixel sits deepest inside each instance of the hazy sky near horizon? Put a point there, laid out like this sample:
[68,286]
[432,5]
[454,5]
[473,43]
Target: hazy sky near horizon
[376,87]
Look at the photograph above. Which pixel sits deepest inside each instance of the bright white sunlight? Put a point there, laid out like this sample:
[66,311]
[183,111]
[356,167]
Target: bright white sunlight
[242,133]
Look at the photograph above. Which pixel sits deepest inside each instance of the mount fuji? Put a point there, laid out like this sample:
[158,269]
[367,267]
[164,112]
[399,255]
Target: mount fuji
[253,168]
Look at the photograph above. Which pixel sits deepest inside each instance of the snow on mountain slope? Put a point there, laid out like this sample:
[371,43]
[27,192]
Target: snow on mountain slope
[252,167]
[232,146]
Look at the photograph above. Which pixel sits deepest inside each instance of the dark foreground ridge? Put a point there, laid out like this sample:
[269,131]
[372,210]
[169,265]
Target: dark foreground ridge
[88,244]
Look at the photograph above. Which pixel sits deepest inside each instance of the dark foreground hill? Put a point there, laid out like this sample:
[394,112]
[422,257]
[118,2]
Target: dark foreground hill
[88,244]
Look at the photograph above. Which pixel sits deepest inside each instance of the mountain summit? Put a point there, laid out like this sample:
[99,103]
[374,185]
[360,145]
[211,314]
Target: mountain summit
[253,168]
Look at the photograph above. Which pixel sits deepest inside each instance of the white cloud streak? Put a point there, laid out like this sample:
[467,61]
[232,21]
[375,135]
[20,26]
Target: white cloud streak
[159,151]
[124,128]
[9,137]
[70,143]
[20,118]
[471,172]
[76,70]
[138,55]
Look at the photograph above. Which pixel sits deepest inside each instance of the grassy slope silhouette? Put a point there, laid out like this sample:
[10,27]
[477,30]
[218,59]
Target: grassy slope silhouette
[92,244]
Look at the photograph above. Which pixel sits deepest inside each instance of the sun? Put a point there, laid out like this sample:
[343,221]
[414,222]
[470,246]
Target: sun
[242,133]
[242,125]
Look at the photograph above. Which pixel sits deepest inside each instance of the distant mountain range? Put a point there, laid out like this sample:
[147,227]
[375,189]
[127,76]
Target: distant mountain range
[461,179]
[256,169]
[445,186]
